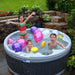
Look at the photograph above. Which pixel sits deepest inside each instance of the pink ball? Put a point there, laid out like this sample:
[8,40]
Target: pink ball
[36,31]
[22,42]
[10,41]
[38,36]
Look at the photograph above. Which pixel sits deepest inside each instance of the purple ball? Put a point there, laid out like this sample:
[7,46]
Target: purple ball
[33,29]
[16,47]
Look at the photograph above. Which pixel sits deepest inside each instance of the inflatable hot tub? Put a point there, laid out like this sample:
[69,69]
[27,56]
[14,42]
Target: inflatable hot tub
[43,62]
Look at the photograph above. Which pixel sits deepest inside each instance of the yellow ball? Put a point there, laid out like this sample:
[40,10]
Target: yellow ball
[60,36]
[34,49]
[42,44]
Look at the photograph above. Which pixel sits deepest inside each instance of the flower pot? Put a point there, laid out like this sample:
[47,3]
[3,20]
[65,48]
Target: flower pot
[38,25]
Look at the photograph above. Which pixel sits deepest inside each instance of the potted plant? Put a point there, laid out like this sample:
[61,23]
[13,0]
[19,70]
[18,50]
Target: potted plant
[36,9]
[23,10]
[29,25]
[46,17]
[38,23]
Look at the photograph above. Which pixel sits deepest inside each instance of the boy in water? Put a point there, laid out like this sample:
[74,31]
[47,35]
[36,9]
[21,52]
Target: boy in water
[53,43]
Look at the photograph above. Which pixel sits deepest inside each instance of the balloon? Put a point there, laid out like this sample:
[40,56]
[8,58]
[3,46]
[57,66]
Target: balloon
[37,31]
[43,44]
[16,47]
[38,36]
[34,49]
[10,41]
[33,29]
[46,34]
[22,41]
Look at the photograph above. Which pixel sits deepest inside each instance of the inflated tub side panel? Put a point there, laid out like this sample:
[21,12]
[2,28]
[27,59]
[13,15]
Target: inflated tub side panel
[45,68]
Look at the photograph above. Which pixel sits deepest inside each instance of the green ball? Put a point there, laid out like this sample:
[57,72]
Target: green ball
[60,38]
[31,52]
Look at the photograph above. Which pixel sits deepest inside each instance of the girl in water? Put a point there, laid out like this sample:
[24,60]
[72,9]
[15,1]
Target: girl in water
[22,25]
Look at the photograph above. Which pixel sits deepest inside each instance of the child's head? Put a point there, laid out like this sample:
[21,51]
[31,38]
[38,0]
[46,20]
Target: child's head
[21,18]
[29,43]
[53,37]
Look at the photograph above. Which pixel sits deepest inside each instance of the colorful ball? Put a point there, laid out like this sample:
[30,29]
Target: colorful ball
[22,41]
[38,36]
[42,44]
[60,36]
[10,41]
[16,47]
[34,49]
[33,29]
[31,52]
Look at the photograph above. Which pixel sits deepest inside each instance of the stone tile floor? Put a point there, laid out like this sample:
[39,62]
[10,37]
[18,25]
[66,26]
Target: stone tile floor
[4,66]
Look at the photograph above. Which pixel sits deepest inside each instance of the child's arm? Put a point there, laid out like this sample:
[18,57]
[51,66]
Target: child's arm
[27,50]
[33,13]
[8,22]
[61,45]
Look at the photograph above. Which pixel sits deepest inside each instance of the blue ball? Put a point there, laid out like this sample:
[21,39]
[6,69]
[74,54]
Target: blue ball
[16,47]
[33,29]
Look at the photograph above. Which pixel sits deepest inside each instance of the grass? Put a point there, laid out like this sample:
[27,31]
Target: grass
[15,5]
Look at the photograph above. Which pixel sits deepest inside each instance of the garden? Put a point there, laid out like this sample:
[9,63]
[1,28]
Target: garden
[53,14]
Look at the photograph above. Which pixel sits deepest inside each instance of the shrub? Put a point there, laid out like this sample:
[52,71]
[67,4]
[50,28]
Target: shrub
[65,5]
[46,17]
[36,9]
[71,33]
[71,63]
[51,4]
[23,9]
[61,5]
[29,25]
[71,19]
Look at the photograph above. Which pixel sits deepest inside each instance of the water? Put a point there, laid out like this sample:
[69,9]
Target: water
[45,49]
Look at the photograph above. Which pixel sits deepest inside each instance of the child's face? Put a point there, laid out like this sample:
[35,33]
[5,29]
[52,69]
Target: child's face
[53,38]
[29,45]
[21,18]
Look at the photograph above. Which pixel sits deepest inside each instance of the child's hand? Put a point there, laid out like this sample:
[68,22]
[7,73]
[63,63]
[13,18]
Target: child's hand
[8,22]
[65,48]
[33,13]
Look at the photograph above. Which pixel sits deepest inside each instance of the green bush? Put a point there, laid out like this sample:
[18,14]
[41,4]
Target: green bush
[61,5]
[71,63]
[71,33]
[46,17]
[30,25]
[66,5]
[36,9]
[51,4]
[71,19]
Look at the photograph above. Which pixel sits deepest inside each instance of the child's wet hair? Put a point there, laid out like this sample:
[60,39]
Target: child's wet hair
[53,34]
[28,41]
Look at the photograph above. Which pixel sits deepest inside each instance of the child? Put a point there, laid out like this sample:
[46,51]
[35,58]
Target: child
[53,43]
[29,46]
[22,25]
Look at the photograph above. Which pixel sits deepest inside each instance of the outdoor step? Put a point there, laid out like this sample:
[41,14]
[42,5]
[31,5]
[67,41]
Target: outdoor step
[58,26]
[8,17]
[51,13]
[56,19]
